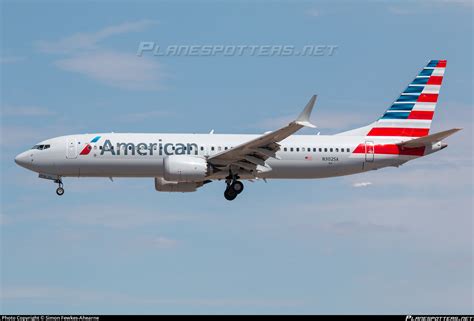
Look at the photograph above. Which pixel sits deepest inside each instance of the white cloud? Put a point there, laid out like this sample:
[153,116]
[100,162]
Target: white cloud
[324,120]
[116,217]
[88,41]
[463,3]
[64,295]
[11,59]
[122,70]
[355,227]
[425,176]
[313,12]
[3,219]
[138,117]
[401,11]
[25,111]
[421,7]
[14,136]
[160,242]
[85,55]
[362,184]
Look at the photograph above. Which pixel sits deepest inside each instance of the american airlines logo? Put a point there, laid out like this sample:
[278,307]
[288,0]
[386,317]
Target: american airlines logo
[87,149]
[148,149]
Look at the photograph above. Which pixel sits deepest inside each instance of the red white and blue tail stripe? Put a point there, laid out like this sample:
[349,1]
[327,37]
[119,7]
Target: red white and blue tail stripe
[411,114]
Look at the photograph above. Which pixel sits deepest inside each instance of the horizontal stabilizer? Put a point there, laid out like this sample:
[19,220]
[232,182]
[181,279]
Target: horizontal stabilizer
[430,139]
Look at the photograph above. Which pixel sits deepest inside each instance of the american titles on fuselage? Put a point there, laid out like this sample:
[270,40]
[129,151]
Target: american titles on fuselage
[148,149]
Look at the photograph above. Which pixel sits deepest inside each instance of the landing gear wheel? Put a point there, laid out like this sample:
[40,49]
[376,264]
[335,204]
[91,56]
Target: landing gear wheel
[230,194]
[60,191]
[237,186]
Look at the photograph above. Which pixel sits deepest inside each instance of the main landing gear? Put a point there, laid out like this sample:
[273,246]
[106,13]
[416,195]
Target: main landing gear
[234,187]
[60,189]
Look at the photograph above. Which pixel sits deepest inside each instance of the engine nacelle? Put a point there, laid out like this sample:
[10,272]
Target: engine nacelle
[163,185]
[184,168]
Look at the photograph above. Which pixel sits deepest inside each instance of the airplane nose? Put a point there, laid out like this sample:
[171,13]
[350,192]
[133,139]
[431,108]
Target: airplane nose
[22,159]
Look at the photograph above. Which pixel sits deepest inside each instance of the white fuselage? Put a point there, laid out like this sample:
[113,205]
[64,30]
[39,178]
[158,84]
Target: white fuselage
[141,155]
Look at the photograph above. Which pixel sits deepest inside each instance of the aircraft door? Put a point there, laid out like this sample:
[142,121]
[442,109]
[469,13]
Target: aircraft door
[207,150]
[71,148]
[369,151]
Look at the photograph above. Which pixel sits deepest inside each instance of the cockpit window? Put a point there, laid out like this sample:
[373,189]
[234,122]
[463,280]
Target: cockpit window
[41,147]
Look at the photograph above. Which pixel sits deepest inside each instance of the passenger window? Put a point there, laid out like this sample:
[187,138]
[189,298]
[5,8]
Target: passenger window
[337,150]
[303,149]
[348,150]
[297,149]
[325,150]
[202,148]
[291,149]
[285,149]
[212,148]
[314,149]
[320,150]
[219,148]
[330,149]
[225,148]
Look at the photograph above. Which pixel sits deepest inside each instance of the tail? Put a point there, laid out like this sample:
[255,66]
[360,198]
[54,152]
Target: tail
[411,114]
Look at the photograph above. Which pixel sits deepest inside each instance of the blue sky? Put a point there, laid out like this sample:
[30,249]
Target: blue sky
[401,244]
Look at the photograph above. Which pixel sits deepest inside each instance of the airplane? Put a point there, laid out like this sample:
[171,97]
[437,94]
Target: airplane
[186,162]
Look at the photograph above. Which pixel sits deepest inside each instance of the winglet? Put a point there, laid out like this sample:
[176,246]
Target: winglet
[303,118]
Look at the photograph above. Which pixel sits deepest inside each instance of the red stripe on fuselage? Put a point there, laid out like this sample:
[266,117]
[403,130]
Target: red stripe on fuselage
[395,131]
[391,149]
[421,114]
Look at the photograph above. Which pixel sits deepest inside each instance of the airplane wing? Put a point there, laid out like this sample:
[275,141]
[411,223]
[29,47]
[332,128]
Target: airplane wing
[251,156]
[430,139]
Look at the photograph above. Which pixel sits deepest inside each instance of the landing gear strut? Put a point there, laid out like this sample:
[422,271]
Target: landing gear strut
[234,187]
[60,189]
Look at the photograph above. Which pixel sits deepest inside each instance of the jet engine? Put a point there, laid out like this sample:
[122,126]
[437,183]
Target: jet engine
[163,185]
[184,168]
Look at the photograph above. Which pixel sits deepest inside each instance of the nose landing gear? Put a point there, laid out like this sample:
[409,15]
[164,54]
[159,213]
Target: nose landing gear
[60,189]
[234,187]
